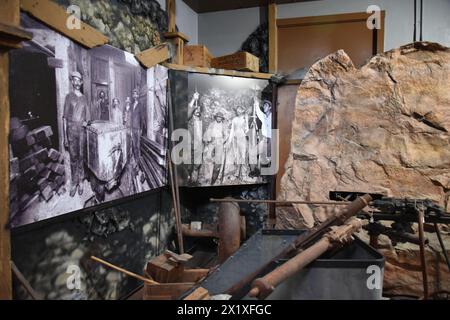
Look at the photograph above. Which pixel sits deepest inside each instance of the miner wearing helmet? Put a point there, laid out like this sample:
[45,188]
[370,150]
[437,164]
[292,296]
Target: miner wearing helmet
[75,117]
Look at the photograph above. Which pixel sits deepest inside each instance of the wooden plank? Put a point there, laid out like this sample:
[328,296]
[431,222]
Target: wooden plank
[11,36]
[5,246]
[9,13]
[155,55]
[273,38]
[56,17]
[194,275]
[177,41]
[233,73]
[198,294]
[166,291]
[241,61]
[171,11]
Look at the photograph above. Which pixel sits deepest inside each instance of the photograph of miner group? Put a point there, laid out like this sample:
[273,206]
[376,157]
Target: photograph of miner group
[229,125]
[87,126]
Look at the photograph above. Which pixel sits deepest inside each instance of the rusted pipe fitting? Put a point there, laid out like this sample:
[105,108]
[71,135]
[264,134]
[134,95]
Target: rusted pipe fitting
[264,286]
[229,230]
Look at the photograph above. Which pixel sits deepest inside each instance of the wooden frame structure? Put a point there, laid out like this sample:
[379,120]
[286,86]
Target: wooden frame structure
[11,35]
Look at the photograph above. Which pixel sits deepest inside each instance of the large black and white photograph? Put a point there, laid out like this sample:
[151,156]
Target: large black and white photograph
[229,125]
[87,126]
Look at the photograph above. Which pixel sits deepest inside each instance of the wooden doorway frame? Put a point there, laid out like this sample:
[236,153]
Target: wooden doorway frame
[275,24]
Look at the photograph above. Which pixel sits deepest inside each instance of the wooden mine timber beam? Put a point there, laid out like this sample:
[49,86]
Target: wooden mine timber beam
[175,38]
[255,75]
[57,17]
[155,55]
[11,35]
[273,38]
[171,11]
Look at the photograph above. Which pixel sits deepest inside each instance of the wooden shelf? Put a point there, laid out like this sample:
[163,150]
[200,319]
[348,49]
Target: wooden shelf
[202,6]
[223,72]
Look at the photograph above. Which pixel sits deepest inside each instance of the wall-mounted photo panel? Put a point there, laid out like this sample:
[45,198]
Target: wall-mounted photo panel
[229,125]
[87,126]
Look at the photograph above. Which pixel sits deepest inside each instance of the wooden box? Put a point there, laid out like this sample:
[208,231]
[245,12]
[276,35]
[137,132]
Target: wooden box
[242,61]
[197,56]
[106,149]
[172,291]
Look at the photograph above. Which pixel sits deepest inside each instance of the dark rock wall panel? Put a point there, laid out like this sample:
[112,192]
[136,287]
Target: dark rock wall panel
[127,235]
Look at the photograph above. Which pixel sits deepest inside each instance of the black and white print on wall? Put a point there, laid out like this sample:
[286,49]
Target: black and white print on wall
[87,126]
[229,122]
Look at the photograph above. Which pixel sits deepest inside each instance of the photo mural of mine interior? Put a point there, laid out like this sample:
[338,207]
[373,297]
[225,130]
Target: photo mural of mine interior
[87,126]
[229,120]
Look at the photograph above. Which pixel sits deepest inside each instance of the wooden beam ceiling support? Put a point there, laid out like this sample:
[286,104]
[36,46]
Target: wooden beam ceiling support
[223,72]
[171,11]
[273,38]
[56,17]
[176,39]
[11,35]
[155,55]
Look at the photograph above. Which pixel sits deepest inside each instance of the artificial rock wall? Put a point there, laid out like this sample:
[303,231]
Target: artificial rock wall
[131,25]
[383,128]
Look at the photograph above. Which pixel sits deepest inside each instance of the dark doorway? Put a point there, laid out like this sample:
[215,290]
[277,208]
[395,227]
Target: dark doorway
[32,87]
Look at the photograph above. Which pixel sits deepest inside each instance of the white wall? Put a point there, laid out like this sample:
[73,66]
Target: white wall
[186,19]
[224,32]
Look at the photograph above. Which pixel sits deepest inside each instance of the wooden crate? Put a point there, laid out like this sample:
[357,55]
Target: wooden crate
[197,56]
[242,61]
[172,291]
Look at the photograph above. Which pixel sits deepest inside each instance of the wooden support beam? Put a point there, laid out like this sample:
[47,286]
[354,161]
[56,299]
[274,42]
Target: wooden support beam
[171,11]
[5,246]
[11,35]
[177,41]
[273,38]
[56,17]
[233,73]
[155,55]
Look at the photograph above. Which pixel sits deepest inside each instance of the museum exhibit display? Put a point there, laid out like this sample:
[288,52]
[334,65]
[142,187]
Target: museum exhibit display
[225,155]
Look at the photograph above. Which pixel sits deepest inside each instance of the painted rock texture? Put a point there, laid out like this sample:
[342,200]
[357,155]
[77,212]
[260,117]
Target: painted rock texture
[381,128]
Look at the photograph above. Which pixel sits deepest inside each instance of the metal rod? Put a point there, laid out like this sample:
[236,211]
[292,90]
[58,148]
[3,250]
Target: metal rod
[283,202]
[24,282]
[422,254]
[174,176]
[415,21]
[421,20]
[444,251]
[176,208]
[303,241]
[128,273]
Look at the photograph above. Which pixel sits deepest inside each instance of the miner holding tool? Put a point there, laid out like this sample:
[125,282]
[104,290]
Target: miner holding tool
[196,132]
[75,119]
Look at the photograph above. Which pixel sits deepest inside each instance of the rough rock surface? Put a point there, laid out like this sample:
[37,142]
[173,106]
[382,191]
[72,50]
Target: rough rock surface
[131,25]
[381,128]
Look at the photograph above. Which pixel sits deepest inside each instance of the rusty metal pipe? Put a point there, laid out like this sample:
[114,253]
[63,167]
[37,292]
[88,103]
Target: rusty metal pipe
[264,286]
[203,233]
[229,229]
[283,202]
